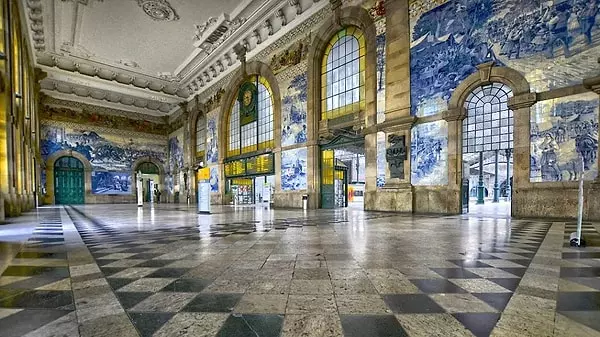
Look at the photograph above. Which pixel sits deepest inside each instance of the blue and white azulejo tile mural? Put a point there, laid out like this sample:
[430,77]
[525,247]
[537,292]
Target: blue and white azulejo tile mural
[293,111]
[381,77]
[176,150]
[293,169]
[111,182]
[214,179]
[552,43]
[381,161]
[563,131]
[212,137]
[429,153]
[105,151]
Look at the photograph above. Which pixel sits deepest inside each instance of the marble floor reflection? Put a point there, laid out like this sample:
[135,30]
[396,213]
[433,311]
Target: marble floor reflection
[119,270]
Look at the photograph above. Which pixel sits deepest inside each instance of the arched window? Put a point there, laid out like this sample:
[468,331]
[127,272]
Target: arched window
[200,138]
[258,134]
[489,122]
[343,74]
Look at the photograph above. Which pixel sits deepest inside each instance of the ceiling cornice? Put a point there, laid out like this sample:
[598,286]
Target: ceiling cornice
[256,25]
[102,110]
[107,72]
[270,22]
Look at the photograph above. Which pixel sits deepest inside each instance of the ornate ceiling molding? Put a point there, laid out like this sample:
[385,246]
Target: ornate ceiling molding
[80,106]
[36,24]
[272,21]
[158,10]
[50,85]
[215,31]
[111,73]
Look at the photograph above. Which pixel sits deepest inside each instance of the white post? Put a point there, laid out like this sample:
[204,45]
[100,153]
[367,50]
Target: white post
[580,203]
[140,189]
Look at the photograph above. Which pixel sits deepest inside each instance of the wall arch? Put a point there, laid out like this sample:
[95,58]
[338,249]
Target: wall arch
[489,73]
[161,172]
[51,160]
[252,68]
[192,120]
[343,17]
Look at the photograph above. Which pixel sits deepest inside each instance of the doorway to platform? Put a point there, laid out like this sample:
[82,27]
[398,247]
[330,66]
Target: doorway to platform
[251,190]
[69,181]
[487,147]
[343,168]
[488,181]
[150,175]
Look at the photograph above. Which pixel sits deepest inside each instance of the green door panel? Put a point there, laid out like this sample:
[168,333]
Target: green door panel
[69,183]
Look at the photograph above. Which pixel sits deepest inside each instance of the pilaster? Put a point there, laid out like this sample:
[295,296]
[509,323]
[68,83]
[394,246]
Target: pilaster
[397,73]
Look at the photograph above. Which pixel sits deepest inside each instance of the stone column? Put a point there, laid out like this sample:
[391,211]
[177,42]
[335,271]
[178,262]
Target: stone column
[508,154]
[397,72]
[454,119]
[521,107]
[397,193]
[496,186]
[480,186]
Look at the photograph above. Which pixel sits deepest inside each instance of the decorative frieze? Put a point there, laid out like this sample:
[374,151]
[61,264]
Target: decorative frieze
[90,117]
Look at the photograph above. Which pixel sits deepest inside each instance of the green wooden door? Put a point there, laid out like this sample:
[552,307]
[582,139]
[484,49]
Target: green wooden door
[69,183]
[327,179]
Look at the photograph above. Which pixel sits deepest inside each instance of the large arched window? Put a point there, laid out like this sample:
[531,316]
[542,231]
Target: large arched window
[258,134]
[343,74]
[200,138]
[489,122]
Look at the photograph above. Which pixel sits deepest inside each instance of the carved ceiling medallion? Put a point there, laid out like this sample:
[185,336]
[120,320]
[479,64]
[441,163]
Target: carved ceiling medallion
[159,10]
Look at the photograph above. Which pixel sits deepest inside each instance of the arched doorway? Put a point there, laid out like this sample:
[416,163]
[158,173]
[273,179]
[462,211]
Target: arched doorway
[69,181]
[487,146]
[150,175]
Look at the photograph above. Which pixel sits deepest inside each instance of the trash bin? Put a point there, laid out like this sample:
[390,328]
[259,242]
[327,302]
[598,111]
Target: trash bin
[305,201]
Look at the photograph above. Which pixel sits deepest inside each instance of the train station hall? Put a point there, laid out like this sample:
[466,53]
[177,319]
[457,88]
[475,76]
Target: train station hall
[299,168]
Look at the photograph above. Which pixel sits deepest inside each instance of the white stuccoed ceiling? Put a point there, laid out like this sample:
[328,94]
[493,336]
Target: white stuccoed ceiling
[150,55]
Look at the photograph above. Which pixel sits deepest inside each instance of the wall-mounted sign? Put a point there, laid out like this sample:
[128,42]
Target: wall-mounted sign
[203,174]
[263,164]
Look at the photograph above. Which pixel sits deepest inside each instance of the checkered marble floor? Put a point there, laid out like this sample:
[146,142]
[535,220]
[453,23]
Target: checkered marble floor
[115,270]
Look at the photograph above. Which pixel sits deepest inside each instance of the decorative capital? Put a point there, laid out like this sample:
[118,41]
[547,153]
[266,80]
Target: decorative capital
[522,101]
[592,84]
[456,114]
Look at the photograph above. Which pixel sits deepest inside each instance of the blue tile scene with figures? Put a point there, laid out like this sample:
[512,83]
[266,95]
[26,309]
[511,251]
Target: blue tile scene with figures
[429,154]
[564,133]
[105,151]
[293,169]
[214,179]
[381,76]
[111,182]
[552,43]
[176,150]
[212,137]
[293,111]
[381,161]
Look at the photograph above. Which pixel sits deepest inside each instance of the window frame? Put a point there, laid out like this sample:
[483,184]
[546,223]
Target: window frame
[258,135]
[489,122]
[334,65]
